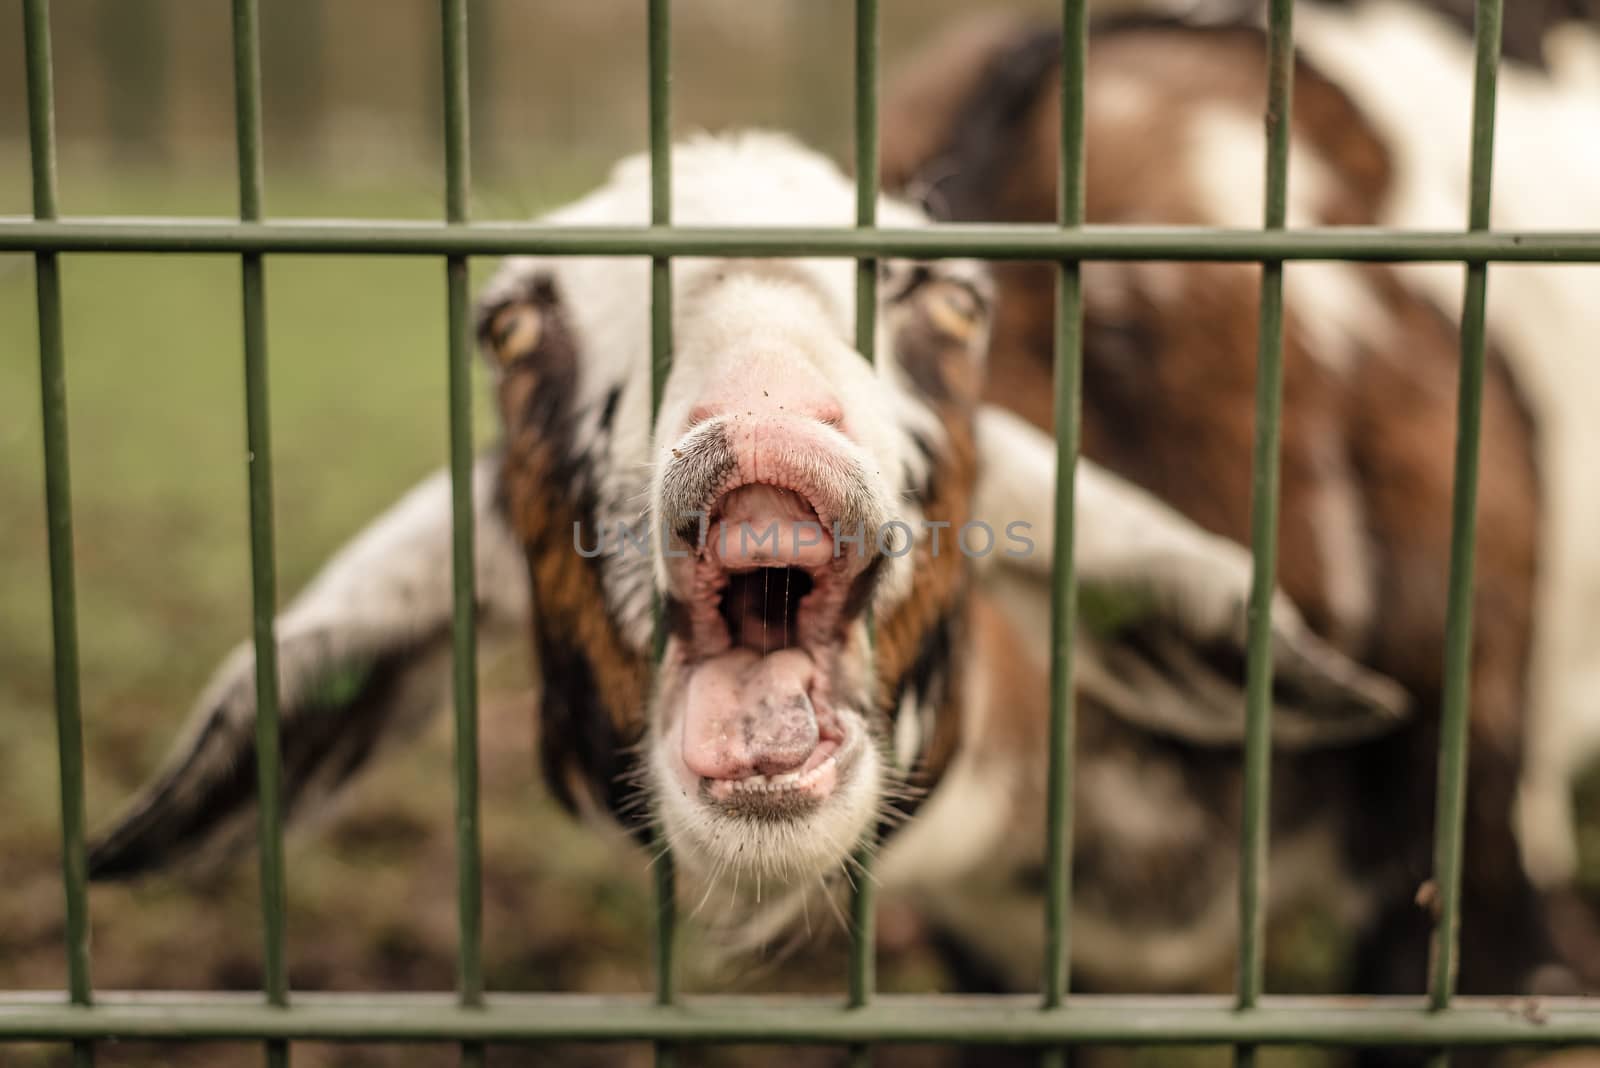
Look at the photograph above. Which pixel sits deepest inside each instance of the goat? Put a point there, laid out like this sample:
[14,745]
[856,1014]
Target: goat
[769,416]
[774,735]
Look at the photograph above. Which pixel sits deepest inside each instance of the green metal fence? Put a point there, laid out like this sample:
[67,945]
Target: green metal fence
[473,1017]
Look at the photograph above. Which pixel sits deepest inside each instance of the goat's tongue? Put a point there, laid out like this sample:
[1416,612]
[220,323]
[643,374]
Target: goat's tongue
[750,715]
[764,525]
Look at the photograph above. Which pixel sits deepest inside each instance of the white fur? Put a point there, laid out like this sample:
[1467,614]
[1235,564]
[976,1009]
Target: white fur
[1335,310]
[1329,301]
[396,572]
[388,587]
[1411,73]
[1128,539]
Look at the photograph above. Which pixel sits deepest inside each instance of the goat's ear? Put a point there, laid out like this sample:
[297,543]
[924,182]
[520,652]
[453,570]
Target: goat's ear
[1162,621]
[363,661]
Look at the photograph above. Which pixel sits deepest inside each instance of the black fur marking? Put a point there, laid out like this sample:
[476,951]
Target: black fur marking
[579,741]
[929,487]
[916,278]
[930,682]
[697,470]
[575,726]
[978,149]
[539,291]
[608,409]
[861,588]
[322,740]
[930,671]
[675,614]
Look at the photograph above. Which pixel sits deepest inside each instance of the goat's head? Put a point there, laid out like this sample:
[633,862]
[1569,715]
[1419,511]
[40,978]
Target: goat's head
[782,501]
[809,524]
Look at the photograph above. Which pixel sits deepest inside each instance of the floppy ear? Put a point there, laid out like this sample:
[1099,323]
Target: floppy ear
[1162,608]
[363,661]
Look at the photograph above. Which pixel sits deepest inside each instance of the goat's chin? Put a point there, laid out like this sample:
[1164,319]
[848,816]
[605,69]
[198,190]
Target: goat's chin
[767,845]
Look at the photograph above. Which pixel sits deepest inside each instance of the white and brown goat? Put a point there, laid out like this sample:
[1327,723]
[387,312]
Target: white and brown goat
[1379,137]
[775,734]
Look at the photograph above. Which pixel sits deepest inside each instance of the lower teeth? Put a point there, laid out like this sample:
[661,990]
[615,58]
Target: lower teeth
[761,784]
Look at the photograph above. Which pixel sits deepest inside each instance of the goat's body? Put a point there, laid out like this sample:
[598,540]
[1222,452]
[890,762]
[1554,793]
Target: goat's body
[1412,77]
[1369,414]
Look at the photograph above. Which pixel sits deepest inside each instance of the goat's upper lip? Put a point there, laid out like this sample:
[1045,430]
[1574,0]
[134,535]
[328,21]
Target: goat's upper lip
[807,471]
[759,524]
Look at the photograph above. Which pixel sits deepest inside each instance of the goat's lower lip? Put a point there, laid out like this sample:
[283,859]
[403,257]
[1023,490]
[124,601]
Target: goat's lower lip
[808,785]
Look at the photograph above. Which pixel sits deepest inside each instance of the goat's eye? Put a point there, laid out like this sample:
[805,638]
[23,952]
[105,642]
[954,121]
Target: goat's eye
[515,332]
[953,309]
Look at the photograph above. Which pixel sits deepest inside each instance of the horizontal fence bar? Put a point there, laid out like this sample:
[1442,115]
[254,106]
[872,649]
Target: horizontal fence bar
[1090,1019]
[1013,242]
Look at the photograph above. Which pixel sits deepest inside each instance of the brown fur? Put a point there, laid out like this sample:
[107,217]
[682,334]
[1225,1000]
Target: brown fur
[1169,373]
[545,501]
[937,326]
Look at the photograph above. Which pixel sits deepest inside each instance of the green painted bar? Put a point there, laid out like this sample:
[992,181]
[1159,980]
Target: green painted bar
[866,123]
[1264,499]
[1064,591]
[992,241]
[1006,1020]
[58,512]
[1264,516]
[463,620]
[1450,809]
[660,89]
[263,566]
[660,79]
[863,898]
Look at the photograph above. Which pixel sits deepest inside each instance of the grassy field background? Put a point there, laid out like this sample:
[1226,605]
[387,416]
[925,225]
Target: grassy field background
[357,389]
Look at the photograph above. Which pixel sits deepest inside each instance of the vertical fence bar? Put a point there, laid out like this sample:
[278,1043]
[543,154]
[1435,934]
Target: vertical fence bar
[1064,585]
[863,903]
[1450,807]
[58,513]
[263,578]
[660,88]
[463,628]
[1264,526]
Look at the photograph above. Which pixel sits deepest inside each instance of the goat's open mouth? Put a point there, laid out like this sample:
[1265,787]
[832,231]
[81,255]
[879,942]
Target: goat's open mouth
[761,607]
[765,729]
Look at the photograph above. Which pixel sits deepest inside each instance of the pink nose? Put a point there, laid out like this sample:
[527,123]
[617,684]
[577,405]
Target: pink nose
[762,390]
